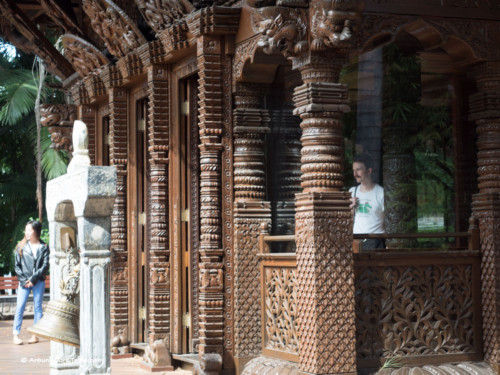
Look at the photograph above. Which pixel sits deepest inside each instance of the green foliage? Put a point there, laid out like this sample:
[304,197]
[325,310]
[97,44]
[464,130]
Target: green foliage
[18,89]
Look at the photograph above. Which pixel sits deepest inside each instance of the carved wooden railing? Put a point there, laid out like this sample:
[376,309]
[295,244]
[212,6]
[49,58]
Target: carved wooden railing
[421,307]
[279,314]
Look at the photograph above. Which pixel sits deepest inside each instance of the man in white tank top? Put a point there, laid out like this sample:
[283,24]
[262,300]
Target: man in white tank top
[367,202]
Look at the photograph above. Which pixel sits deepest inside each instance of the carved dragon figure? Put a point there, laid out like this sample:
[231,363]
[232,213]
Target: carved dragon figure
[283,30]
[333,23]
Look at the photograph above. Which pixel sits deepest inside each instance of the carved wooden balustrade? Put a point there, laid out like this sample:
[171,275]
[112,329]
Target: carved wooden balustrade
[421,306]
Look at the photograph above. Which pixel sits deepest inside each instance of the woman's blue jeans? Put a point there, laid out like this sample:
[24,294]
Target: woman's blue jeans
[22,296]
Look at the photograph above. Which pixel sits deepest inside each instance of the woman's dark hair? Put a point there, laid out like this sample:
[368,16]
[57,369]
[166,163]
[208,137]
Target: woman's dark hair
[37,227]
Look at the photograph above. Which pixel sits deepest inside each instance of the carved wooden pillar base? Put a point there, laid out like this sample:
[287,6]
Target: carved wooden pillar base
[325,284]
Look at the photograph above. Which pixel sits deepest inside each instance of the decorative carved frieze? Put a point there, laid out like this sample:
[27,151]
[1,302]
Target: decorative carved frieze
[333,23]
[95,86]
[244,52]
[84,57]
[175,37]
[283,30]
[214,20]
[130,65]
[27,37]
[59,119]
[119,33]
[62,14]
[152,53]
[111,77]
[80,94]
[162,14]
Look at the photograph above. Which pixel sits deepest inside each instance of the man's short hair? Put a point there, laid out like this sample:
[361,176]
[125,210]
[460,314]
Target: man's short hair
[365,159]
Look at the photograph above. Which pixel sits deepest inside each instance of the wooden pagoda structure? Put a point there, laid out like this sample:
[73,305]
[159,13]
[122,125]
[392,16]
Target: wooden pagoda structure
[183,97]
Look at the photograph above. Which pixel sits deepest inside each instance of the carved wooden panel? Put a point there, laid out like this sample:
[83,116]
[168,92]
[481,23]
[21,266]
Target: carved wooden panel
[88,116]
[421,306]
[279,300]
[119,32]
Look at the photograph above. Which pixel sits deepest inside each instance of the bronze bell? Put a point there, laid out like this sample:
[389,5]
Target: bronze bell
[59,323]
[61,318]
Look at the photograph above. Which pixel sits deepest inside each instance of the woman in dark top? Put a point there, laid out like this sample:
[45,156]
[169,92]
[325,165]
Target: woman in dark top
[32,263]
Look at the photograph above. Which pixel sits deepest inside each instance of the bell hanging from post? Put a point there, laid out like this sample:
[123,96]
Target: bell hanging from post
[61,318]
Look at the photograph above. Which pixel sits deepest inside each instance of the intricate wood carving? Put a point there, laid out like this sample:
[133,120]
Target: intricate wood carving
[214,20]
[325,303]
[323,224]
[210,125]
[84,57]
[29,38]
[479,368]
[244,52]
[130,65]
[280,308]
[59,119]
[250,123]
[334,23]
[283,30]
[176,37]
[423,307]
[152,53]
[118,109]
[119,33]
[79,94]
[159,254]
[62,14]
[227,212]
[95,86]
[263,365]
[161,14]
[485,110]
[111,77]
[321,103]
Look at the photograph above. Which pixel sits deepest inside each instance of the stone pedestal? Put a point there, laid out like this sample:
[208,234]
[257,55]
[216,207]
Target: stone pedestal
[83,200]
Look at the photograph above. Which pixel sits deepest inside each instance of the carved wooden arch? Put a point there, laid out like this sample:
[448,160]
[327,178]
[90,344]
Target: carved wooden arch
[84,57]
[379,30]
[251,64]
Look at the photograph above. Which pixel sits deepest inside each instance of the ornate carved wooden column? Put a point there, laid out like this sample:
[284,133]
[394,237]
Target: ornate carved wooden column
[118,112]
[250,122]
[485,110]
[158,122]
[208,25]
[325,273]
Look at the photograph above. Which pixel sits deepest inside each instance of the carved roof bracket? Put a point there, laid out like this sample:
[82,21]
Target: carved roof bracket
[130,65]
[29,38]
[152,53]
[117,30]
[111,77]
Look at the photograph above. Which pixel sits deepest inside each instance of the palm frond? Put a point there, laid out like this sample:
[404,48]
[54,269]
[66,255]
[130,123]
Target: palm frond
[18,93]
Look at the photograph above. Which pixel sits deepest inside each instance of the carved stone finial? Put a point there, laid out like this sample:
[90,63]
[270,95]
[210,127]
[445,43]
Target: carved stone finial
[80,145]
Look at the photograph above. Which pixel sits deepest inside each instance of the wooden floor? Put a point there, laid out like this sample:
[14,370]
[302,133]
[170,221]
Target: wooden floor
[34,359]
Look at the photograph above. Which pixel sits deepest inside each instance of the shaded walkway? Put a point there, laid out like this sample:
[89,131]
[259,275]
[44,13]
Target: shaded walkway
[34,359]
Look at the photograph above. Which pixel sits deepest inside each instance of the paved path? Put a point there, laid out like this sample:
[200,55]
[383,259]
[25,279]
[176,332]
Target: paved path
[34,359]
